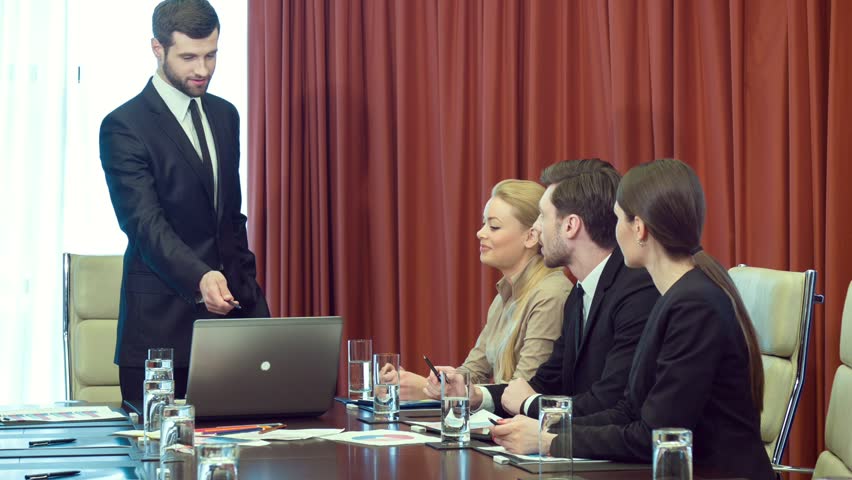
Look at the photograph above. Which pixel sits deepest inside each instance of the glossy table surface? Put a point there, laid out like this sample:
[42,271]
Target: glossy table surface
[323,459]
[311,459]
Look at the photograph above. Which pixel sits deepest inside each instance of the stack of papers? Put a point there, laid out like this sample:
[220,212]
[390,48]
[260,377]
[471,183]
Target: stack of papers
[257,438]
[59,414]
[480,419]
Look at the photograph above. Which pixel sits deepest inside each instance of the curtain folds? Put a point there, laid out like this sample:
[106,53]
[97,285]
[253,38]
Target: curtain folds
[378,127]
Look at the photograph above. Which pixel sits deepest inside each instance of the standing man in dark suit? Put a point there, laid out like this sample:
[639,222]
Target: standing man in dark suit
[171,159]
[605,312]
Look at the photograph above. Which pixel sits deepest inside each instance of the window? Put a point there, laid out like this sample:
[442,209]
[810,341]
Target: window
[65,64]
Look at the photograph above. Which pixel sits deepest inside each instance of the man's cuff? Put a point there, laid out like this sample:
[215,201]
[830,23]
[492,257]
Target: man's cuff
[525,407]
[487,400]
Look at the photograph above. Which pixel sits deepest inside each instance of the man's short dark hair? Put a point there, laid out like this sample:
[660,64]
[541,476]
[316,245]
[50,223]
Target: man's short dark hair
[193,18]
[586,188]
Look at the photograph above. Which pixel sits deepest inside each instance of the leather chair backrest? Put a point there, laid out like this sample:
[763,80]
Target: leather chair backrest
[780,304]
[92,288]
[836,460]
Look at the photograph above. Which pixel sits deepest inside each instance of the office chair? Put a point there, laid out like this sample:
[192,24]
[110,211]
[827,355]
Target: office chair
[836,459]
[781,306]
[90,317]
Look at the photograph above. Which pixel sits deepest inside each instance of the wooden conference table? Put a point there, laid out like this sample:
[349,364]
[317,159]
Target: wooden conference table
[322,459]
[311,459]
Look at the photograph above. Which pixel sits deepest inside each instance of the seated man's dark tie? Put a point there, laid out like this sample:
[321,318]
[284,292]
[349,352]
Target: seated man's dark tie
[202,140]
[578,316]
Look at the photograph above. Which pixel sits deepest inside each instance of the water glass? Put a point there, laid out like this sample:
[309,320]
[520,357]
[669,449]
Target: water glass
[164,353]
[217,461]
[554,418]
[455,407]
[160,364]
[360,368]
[672,454]
[157,395]
[177,431]
[177,469]
[386,386]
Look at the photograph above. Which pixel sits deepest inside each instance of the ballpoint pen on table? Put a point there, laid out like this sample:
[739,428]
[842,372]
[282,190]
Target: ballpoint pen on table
[432,367]
[42,476]
[53,441]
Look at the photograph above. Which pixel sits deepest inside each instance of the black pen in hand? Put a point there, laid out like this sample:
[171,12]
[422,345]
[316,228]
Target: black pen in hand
[432,367]
[43,476]
[234,304]
[54,441]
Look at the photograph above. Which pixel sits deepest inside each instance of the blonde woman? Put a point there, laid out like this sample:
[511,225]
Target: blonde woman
[525,317]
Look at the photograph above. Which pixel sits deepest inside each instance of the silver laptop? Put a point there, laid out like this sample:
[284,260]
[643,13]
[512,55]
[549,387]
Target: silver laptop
[264,366]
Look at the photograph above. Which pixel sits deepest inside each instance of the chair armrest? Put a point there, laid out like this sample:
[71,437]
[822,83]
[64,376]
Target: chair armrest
[788,469]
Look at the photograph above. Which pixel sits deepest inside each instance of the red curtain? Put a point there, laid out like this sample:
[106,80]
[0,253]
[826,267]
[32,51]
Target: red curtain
[378,127]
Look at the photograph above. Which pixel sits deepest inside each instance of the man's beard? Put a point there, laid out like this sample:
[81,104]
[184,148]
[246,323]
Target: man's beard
[183,86]
[558,256]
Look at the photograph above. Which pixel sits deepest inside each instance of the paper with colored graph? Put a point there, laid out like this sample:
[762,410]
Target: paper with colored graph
[381,438]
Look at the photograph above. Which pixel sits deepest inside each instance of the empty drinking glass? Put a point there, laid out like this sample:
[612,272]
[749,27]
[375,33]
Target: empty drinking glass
[160,364]
[157,395]
[177,431]
[554,418]
[217,461]
[672,454]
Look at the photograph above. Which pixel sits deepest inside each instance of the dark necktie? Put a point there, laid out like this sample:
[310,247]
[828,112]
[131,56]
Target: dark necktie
[578,315]
[202,139]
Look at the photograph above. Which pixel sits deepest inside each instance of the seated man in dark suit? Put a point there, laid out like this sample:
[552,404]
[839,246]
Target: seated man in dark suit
[606,311]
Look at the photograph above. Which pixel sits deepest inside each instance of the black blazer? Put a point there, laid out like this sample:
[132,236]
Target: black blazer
[690,371]
[175,234]
[597,375]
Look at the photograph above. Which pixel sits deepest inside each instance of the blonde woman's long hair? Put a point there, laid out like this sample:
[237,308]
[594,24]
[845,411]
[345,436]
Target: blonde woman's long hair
[523,196]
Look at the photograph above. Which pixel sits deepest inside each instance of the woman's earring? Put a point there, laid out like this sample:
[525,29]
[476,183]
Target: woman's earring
[640,243]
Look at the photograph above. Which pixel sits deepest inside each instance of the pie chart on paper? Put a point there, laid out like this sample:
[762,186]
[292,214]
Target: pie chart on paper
[381,438]
[384,437]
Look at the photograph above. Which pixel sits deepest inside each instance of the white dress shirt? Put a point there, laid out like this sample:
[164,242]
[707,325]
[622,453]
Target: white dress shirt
[590,285]
[178,104]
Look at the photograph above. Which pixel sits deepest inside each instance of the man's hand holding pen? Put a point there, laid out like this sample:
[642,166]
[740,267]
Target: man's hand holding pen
[215,293]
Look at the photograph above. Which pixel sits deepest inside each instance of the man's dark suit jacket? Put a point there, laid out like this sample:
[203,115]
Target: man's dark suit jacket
[595,377]
[690,371]
[175,234]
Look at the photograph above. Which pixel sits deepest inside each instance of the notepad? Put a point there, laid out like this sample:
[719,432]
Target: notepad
[480,419]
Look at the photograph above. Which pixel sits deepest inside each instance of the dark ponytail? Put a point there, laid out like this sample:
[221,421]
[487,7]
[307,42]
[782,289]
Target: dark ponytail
[716,272]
